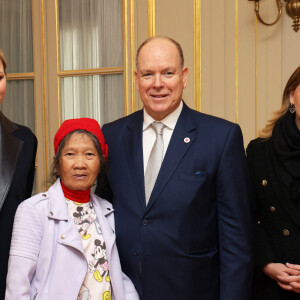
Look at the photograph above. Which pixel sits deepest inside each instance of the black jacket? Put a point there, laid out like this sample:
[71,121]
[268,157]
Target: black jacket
[17,163]
[276,222]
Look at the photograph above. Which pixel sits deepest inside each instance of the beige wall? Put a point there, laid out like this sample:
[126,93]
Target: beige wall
[244,64]
[290,49]
[238,67]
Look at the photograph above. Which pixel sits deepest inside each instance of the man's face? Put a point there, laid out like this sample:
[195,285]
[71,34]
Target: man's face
[160,78]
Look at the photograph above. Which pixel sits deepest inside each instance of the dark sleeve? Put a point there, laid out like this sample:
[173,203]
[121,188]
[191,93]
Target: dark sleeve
[103,189]
[263,252]
[234,220]
[31,172]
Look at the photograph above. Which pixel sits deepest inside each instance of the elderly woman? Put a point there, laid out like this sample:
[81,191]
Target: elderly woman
[274,165]
[63,244]
[17,161]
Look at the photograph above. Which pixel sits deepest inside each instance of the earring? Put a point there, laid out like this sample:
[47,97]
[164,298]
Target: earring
[292,108]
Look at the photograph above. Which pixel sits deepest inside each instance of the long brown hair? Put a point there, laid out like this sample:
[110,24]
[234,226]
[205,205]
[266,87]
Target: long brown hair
[3,60]
[291,85]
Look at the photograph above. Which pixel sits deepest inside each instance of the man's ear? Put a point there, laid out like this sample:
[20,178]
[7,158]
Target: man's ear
[185,75]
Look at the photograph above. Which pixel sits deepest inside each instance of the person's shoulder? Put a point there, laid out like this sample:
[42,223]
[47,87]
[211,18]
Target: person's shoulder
[257,144]
[201,116]
[22,133]
[210,121]
[117,128]
[36,201]
[25,131]
[257,149]
[15,128]
[104,204]
[25,134]
[122,121]
[218,121]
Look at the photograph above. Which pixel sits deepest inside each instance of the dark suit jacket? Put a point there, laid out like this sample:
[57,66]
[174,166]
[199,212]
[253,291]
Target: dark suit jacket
[276,224]
[193,240]
[17,162]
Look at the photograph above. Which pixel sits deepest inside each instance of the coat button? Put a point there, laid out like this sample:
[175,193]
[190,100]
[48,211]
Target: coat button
[272,209]
[136,252]
[44,195]
[145,222]
[51,213]
[258,222]
[286,232]
[264,182]
[63,236]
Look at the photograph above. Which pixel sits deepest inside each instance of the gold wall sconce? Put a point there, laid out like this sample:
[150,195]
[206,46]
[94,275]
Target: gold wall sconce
[292,9]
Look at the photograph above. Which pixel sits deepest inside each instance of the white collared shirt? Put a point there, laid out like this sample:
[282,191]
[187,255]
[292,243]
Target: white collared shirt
[149,134]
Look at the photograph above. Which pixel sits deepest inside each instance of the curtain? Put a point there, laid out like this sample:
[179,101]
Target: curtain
[17,44]
[98,96]
[90,37]
[18,104]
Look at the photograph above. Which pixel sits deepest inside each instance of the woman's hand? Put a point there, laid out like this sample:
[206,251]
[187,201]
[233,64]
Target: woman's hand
[287,276]
[293,266]
[295,285]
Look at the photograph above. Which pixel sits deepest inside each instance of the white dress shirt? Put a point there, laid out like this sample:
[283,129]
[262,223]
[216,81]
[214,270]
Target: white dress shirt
[149,134]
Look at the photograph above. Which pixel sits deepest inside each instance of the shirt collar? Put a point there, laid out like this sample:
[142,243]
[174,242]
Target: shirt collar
[170,120]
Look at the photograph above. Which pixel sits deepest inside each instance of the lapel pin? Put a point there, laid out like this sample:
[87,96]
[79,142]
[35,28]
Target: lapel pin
[187,140]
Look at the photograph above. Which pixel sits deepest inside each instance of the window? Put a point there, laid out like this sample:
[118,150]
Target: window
[65,60]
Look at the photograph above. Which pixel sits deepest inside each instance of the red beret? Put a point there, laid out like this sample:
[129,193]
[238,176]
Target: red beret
[87,124]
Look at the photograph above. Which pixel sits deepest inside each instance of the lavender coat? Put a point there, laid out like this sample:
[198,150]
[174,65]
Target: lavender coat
[47,259]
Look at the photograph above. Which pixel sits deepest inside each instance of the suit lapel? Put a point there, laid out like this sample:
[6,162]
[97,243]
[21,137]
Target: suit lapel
[182,139]
[133,144]
[10,148]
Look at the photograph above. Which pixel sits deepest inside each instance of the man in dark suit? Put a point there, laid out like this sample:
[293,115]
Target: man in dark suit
[17,163]
[190,236]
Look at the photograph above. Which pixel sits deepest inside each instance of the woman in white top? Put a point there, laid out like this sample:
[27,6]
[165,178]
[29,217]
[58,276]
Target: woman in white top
[63,244]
